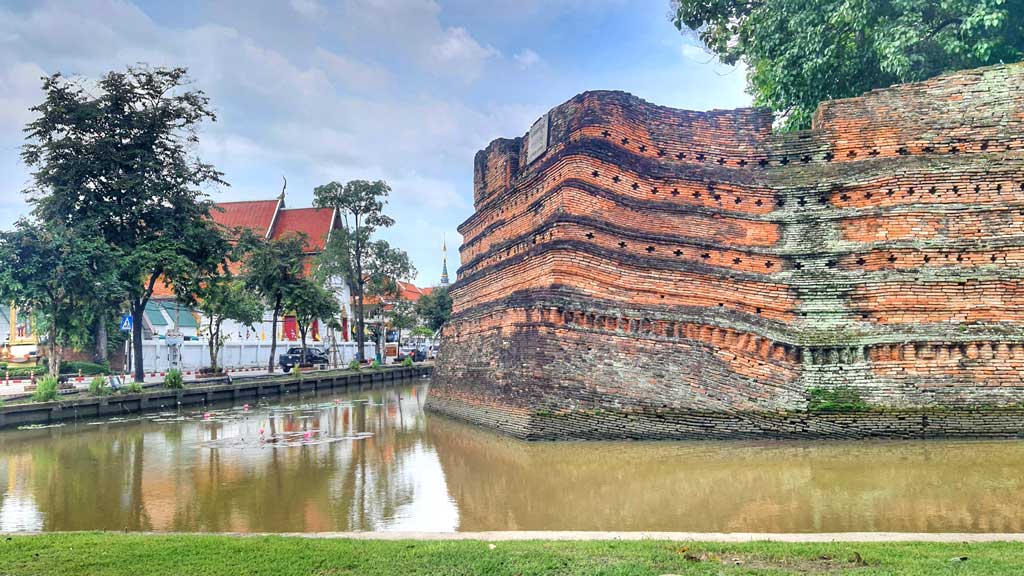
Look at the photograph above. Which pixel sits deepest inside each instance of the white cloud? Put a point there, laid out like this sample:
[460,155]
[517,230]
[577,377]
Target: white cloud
[457,53]
[526,58]
[695,53]
[307,8]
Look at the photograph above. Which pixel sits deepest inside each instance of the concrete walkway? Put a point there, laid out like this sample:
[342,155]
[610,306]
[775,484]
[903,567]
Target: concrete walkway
[950,537]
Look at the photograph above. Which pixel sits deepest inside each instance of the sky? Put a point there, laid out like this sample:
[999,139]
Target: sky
[401,90]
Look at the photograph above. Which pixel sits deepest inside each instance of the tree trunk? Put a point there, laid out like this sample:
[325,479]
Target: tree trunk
[214,346]
[137,309]
[54,352]
[100,354]
[360,323]
[273,335]
[302,335]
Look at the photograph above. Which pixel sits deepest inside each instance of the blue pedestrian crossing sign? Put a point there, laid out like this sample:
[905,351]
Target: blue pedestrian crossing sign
[126,323]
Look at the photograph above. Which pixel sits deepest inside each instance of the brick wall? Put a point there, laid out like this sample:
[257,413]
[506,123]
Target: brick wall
[666,273]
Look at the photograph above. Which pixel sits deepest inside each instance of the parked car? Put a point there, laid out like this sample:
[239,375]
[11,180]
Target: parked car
[293,357]
[417,355]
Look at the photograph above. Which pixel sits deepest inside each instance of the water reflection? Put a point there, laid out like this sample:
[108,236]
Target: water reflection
[371,461]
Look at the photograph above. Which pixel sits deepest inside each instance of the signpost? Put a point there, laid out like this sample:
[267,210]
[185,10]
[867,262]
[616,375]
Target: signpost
[126,326]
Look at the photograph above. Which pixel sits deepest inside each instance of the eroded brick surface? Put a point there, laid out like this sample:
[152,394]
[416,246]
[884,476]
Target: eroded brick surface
[661,273]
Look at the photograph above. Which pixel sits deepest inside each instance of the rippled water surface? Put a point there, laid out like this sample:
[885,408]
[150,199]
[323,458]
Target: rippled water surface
[373,460]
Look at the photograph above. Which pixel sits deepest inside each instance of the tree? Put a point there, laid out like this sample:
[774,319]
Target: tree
[272,267]
[58,275]
[402,316]
[435,308]
[121,163]
[800,52]
[223,297]
[309,301]
[349,254]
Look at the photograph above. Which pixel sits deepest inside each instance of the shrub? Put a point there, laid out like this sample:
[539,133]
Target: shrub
[297,372]
[98,386]
[838,399]
[87,368]
[407,362]
[23,371]
[46,389]
[354,365]
[375,364]
[174,380]
[133,387]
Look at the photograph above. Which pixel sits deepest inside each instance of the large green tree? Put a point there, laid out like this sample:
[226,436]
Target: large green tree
[117,157]
[435,308]
[271,268]
[310,301]
[59,275]
[800,52]
[221,296]
[369,267]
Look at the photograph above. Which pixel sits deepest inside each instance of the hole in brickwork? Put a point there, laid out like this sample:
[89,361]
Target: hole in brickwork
[705,256]
[595,174]
[624,141]
[675,191]
[622,244]
[868,195]
[616,179]
[956,190]
[590,235]
[954,149]
[822,200]
[759,202]
[844,197]
[649,249]
[959,257]
[977,188]
[643,148]
[738,200]
[661,153]
[927,149]
[902,151]
[606,133]
[635,186]
[927,259]
[984,145]
[701,157]
[654,190]
[784,161]
[805,158]
[768,263]
[999,188]
[780,201]
[851,154]
[798,265]
[742,162]
[874,152]
[721,305]
[662,296]
[861,261]
[801,201]
[716,196]
[740,261]
[829,156]
[830,263]
[890,192]
[993,258]
[910,191]
[762,162]
[696,194]
[891,258]
[757,310]
[678,252]
[720,161]
[681,155]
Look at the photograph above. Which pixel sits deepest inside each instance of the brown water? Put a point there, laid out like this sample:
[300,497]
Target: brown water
[374,461]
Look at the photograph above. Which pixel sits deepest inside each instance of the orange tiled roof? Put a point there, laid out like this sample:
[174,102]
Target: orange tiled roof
[256,215]
[315,223]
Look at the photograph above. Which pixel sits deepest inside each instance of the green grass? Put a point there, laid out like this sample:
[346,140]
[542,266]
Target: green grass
[137,555]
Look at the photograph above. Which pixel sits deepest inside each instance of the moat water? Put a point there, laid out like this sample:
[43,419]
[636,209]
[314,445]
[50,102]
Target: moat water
[373,460]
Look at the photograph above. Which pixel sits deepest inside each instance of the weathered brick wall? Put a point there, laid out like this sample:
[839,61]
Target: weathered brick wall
[655,267]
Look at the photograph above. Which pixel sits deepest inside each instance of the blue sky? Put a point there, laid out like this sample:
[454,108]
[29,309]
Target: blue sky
[401,90]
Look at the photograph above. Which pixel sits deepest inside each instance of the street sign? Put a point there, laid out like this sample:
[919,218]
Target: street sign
[126,323]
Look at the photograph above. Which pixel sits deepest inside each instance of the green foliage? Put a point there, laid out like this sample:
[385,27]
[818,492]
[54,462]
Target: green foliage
[354,365]
[13,371]
[272,267]
[114,161]
[371,268]
[435,308]
[174,380]
[296,372]
[407,362]
[422,330]
[309,300]
[46,389]
[220,296]
[133,387]
[85,368]
[375,364]
[98,386]
[59,274]
[838,399]
[800,52]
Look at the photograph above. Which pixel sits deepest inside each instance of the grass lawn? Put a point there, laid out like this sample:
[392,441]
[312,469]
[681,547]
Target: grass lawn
[136,555]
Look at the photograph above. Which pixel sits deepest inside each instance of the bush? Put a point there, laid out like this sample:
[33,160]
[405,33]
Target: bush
[375,364]
[87,368]
[46,389]
[354,365]
[23,371]
[297,372]
[407,362]
[132,388]
[838,399]
[98,386]
[174,380]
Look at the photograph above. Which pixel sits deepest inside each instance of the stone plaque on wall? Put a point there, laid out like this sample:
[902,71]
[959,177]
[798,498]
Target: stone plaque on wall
[538,141]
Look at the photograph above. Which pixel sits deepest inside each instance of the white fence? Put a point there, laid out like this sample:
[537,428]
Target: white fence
[196,354]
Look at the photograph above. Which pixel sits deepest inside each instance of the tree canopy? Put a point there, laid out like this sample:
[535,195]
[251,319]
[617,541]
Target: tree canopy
[800,52]
[435,308]
[310,301]
[271,268]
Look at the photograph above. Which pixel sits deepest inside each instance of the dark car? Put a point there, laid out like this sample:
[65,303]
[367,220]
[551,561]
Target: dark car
[417,355]
[293,357]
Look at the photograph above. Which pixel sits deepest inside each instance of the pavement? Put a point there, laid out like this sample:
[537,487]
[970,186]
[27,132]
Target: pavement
[727,537]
